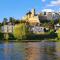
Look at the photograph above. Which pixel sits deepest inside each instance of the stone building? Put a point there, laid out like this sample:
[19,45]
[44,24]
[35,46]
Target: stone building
[37,29]
[8,28]
[31,17]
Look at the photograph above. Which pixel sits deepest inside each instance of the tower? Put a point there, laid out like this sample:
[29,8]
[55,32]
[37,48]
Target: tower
[33,12]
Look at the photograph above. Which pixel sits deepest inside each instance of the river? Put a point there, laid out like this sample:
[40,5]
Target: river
[30,51]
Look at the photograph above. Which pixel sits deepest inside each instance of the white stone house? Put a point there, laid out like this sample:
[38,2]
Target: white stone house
[37,29]
[7,28]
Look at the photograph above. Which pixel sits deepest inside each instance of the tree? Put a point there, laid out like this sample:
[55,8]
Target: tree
[1,36]
[20,31]
[17,21]
[5,20]
[58,33]
[11,19]
[0,25]
[52,22]
[59,21]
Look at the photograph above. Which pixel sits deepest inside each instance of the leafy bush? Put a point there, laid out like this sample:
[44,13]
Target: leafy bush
[58,33]
[1,36]
[20,31]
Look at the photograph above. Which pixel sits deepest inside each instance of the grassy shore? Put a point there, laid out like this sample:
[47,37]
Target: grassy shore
[47,40]
[33,40]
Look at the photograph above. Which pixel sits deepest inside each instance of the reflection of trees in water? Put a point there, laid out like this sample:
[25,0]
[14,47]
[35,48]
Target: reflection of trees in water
[13,51]
[45,52]
[6,51]
[51,52]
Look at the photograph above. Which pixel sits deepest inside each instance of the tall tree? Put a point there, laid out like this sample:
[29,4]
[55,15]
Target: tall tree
[0,26]
[11,19]
[17,21]
[5,20]
[58,33]
[59,21]
[52,22]
[20,31]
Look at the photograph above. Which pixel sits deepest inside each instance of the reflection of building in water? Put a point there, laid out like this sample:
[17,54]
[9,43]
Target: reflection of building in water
[39,51]
[32,52]
[6,51]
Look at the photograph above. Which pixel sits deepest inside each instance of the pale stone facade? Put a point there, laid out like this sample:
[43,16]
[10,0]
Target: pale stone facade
[31,17]
[37,29]
[7,28]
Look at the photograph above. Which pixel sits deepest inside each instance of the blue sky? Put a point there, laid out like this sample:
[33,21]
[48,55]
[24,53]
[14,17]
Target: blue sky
[18,8]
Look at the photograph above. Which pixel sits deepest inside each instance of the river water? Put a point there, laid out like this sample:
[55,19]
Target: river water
[30,51]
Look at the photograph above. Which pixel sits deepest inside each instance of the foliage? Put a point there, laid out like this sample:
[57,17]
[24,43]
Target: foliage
[6,36]
[22,21]
[52,22]
[0,26]
[11,19]
[59,21]
[11,36]
[17,21]
[51,31]
[20,31]
[1,36]
[5,21]
[58,33]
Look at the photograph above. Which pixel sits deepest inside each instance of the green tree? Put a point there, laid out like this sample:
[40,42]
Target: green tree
[17,21]
[20,31]
[58,33]
[59,21]
[5,21]
[1,36]
[0,25]
[11,19]
[52,22]
[6,36]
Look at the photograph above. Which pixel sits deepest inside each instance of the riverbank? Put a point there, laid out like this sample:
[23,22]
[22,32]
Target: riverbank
[45,40]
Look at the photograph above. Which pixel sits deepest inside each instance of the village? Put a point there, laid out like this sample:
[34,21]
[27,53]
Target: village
[42,23]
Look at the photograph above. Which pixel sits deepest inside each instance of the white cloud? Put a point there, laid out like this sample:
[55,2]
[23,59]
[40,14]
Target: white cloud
[47,10]
[54,3]
[43,0]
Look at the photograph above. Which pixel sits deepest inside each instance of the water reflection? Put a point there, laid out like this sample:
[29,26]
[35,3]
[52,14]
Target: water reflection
[12,51]
[40,51]
[30,51]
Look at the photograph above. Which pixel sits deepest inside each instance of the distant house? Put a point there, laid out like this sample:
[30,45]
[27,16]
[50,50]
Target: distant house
[37,29]
[8,28]
[57,26]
